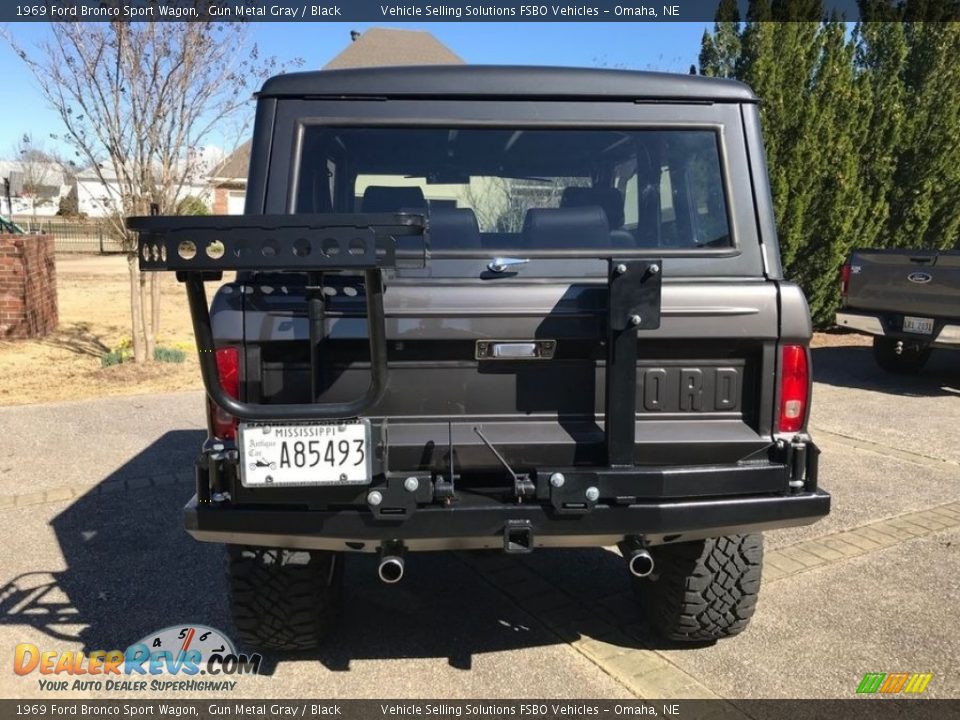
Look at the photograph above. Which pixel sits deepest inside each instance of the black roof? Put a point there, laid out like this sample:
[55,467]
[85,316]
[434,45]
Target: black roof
[488,81]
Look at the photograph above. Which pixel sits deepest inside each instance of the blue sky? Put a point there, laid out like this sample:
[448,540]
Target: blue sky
[641,46]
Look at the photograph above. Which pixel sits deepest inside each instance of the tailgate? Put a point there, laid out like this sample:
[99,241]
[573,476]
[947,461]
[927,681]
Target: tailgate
[704,378]
[923,283]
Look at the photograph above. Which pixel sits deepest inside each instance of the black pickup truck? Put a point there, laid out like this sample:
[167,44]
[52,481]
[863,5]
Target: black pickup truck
[909,300]
[503,309]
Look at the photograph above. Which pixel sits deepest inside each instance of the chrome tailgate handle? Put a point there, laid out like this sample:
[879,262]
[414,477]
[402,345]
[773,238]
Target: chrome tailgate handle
[502,264]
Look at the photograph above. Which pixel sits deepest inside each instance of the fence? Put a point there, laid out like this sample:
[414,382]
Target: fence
[72,235]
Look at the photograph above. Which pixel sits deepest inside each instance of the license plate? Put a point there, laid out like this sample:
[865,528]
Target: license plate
[320,454]
[921,326]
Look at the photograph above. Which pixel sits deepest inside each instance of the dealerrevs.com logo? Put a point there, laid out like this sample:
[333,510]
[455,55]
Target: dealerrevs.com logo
[181,658]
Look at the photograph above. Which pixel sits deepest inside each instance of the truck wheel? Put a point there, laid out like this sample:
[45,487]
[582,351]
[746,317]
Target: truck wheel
[704,590]
[284,599]
[911,358]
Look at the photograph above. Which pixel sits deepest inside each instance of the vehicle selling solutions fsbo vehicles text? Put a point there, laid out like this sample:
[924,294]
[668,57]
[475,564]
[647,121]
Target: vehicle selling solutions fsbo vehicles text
[531,11]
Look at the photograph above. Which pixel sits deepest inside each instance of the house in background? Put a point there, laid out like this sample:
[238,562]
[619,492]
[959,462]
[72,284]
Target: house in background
[386,46]
[228,182]
[35,187]
[99,199]
[374,48]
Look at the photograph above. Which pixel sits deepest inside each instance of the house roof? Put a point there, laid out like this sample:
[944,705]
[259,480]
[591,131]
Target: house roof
[88,173]
[387,46]
[491,81]
[235,165]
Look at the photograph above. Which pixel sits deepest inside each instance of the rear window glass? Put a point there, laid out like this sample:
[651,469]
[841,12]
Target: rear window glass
[490,189]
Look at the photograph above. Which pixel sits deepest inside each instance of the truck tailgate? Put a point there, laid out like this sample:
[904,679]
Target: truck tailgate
[700,376]
[923,283]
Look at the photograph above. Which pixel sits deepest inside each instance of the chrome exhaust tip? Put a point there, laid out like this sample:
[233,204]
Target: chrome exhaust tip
[640,564]
[391,570]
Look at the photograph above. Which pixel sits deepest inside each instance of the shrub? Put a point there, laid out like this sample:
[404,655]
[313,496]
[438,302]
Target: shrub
[170,355]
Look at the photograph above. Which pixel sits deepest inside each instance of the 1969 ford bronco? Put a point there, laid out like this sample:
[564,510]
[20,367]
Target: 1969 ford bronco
[497,308]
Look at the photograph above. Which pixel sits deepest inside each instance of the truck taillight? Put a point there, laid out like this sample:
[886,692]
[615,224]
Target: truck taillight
[844,280]
[794,388]
[228,368]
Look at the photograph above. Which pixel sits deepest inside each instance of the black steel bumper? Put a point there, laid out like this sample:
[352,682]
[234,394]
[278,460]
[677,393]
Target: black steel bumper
[486,524]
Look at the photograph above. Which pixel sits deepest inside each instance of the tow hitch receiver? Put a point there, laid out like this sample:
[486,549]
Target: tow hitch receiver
[518,537]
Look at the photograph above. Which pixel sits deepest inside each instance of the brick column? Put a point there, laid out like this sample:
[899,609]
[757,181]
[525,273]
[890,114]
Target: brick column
[28,286]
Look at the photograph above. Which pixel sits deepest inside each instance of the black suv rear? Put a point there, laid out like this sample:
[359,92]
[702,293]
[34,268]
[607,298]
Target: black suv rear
[497,308]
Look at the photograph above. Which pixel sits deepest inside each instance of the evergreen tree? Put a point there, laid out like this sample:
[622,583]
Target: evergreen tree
[881,54]
[862,130]
[924,211]
[719,51]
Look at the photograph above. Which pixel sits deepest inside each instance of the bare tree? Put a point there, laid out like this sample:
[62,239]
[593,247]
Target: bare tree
[139,101]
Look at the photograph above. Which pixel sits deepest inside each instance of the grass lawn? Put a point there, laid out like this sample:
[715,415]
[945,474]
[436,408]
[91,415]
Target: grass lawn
[94,303]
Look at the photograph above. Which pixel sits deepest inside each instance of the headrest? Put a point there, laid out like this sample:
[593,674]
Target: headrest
[454,229]
[609,199]
[566,228]
[384,198]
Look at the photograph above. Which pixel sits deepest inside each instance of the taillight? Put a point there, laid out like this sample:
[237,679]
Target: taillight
[228,369]
[844,280]
[794,388]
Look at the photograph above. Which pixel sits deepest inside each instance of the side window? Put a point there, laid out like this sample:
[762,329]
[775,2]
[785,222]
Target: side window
[693,209]
[332,181]
[625,180]
[669,235]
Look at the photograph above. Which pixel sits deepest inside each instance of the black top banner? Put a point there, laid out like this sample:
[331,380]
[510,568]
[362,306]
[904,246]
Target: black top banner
[425,11]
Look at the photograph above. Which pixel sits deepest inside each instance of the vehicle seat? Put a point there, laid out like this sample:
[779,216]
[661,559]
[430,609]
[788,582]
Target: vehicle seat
[453,229]
[566,228]
[607,199]
[388,199]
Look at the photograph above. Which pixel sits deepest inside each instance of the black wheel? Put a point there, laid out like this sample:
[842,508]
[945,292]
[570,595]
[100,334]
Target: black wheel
[284,599]
[911,359]
[702,591]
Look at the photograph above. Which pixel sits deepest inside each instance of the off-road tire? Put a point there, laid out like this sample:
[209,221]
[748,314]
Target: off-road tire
[702,591]
[284,599]
[909,361]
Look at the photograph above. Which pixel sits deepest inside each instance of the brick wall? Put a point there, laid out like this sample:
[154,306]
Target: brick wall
[28,286]
[220,194]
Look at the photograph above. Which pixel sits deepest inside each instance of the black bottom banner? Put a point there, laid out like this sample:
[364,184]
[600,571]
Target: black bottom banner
[486,709]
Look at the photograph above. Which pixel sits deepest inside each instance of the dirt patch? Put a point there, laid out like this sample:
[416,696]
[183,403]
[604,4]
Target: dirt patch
[95,318]
[838,337]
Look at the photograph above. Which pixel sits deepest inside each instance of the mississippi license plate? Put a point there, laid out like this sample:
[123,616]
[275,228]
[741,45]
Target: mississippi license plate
[321,454]
[921,326]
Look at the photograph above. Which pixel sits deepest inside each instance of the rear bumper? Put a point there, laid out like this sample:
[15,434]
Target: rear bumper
[547,520]
[887,324]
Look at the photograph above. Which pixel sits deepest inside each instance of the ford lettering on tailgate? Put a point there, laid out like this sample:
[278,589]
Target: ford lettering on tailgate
[690,388]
